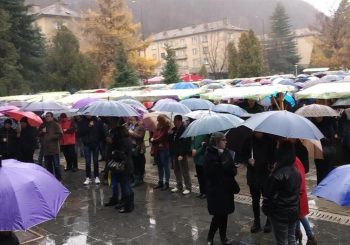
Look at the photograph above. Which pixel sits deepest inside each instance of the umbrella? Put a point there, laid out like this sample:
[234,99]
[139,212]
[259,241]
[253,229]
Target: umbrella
[207,81]
[171,106]
[341,103]
[325,91]
[288,97]
[232,109]
[18,103]
[29,195]
[84,102]
[316,110]
[33,119]
[199,114]
[132,102]
[212,123]
[285,124]
[109,108]
[197,104]
[335,187]
[44,106]
[184,85]
[5,108]
[191,77]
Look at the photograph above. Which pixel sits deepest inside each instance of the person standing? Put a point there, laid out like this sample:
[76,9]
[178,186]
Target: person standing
[281,196]
[179,148]
[220,173]
[27,141]
[8,137]
[50,133]
[68,142]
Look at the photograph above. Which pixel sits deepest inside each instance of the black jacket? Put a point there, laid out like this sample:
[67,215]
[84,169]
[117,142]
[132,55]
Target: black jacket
[220,172]
[281,198]
[8,143]
[8,238]
[121,148]
[179,146]
[91,135]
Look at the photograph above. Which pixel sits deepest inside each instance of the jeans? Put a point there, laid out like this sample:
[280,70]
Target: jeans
[181,170]
[307,227]
[284,232]
[125,185]
[70,155]
[256,192]
[201,179]
[88,150]
[52,163]
[139,166]
[218,222]
[162,160]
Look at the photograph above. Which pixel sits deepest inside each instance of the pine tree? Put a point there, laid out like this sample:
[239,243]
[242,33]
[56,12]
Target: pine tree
[282,50]
[125,74]
[250,55]
[26,38]
[203,71]
[232,60]
[66,68]
[170,70]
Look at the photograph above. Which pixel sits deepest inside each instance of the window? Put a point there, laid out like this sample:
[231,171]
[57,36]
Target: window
[194,51]
[204,38]
[180,52]
[205,50]
[194,39]
[205,61]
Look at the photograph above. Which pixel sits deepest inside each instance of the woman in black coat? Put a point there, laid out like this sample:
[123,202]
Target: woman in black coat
[220,171]
[27,141]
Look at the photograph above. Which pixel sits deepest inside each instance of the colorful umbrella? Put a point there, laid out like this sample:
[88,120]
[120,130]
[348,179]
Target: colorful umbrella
[29,195]
[33,119]
[5,108]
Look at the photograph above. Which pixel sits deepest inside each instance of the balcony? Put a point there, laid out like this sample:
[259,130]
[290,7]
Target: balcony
[181,57]
[180,46]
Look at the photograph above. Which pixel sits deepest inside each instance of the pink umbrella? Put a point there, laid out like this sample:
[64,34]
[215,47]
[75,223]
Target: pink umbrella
[6,108]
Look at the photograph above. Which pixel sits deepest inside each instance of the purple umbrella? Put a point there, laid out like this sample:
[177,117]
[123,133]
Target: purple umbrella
[84,102]
[29,195]
[5,108]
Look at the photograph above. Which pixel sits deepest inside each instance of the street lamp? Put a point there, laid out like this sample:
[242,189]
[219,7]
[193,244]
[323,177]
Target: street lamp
[296,70]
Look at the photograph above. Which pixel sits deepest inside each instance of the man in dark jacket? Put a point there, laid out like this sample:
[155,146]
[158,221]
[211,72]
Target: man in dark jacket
[27,141]
[179,148]
[257,154]
[8,143]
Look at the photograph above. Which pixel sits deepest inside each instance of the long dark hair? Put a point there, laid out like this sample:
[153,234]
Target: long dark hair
[285,155]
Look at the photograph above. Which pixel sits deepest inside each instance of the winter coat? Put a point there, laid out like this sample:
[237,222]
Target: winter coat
[68,129]
[50,140]
[281,197]
[8,142]
[160,140]
[28,140]
[303,154]
[220,172]
[263,153]
[137,138]
[303,202]
[8,238]
[200,149]
[91,135]
[122,148]
[179,146]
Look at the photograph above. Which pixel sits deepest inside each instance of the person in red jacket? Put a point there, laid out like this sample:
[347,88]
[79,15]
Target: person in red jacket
[303,208]
[67,142]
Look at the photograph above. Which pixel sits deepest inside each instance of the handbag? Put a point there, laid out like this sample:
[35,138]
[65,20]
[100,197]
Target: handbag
[116,166]
[236,188]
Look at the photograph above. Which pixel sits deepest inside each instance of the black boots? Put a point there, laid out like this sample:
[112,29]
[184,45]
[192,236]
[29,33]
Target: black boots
[256,227]
[129,204]
[166,187]
[112,201]
[267,227]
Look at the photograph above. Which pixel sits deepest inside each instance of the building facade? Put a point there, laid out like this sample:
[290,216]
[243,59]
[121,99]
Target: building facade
[196,45]
[305,39]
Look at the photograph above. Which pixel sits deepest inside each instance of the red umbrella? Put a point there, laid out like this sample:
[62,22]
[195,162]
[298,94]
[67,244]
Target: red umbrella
[191,77]
[33,119]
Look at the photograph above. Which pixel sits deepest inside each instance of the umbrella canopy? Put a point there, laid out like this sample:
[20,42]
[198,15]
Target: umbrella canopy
[199,114]
[211,124]
[132,102]
[342,103]
[335,187]
[191,77]
[84,102]
[5,108]
[33,119]
[184,85]
[171,106]
[44,106]
[284,124]
[232,109]
[18,103]
[325,91]
[29,195]
[207,81]
[197,104]
[109,108]
[316,110]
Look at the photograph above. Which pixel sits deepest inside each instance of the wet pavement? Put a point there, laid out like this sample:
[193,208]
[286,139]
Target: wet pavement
[160,217]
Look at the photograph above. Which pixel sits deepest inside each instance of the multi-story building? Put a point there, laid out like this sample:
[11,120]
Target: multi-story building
[305,39]
[196,45]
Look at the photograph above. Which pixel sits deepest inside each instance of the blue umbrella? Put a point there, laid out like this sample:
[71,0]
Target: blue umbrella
[197,104]
[288,97]
[109,108]
[285,124]
[232,109]
[211,124]
[184,85]
[171,106]
[336,186]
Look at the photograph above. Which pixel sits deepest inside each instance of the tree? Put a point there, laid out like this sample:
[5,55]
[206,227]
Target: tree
[250,55]
[11,80]
[27,40]
[282,50]
[108,27]
[125,74]
[170,70]
[66,68]
[232,60]
[203,71]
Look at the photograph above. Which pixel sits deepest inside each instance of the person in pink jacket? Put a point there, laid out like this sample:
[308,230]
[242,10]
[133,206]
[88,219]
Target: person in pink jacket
[67,142]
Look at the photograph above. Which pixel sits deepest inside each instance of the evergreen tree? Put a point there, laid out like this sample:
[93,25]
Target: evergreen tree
[170,70]
[10,76]
[282,50]
[27,40]
[203,71]
[125,74]
[66,68]
[232,60]
[250,55]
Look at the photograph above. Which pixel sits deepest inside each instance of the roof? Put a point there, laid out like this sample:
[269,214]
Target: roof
[59,9]
[196,29]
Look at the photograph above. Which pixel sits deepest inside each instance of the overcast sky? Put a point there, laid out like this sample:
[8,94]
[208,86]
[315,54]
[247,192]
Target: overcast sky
[326,6]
